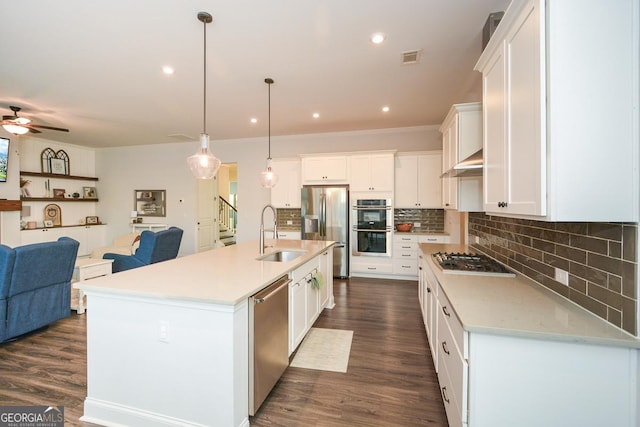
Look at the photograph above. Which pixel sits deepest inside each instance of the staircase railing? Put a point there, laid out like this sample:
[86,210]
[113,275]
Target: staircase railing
[228,214]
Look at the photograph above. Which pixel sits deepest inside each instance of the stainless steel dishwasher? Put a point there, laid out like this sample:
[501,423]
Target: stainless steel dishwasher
[268,340]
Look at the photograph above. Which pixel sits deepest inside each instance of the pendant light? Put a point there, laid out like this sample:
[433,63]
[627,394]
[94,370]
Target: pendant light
[268,178]
[203,164]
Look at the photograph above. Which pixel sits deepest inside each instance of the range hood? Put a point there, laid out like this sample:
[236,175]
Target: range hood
[471,166]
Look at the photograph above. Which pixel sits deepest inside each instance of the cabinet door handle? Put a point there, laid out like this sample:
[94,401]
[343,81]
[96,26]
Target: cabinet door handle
[445,311]
[371,268]
[406,255]
[444,347]
[428,290]
[444,394]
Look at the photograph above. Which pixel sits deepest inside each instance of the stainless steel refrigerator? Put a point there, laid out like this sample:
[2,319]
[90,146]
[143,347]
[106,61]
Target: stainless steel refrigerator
[325,216]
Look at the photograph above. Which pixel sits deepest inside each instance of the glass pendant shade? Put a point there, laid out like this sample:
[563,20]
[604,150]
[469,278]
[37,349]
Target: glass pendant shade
[16,130]
[203,164]
[268,178]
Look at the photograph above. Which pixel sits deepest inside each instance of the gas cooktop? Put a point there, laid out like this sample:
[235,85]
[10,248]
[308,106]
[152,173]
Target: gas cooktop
[470,263]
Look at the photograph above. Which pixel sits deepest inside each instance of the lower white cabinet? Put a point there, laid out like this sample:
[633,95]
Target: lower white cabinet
[405,255]
[89,236]
[508,379]
[305,301]
[366,266]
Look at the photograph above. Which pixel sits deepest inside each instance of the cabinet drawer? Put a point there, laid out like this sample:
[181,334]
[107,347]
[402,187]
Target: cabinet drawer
[371,267]
[405,238]
[404,254]
[449,317]
[434,239]
[405,246]
[89,272]
[405,266]
[289,235]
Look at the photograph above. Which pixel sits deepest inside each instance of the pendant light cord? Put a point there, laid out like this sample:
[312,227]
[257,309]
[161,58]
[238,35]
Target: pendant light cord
[269,82]
[204,101]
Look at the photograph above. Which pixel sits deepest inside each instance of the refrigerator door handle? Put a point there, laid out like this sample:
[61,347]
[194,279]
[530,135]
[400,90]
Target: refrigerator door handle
[340,245]
[323,216]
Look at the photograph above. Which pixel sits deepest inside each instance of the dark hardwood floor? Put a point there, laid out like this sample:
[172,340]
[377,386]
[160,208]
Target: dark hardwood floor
[390,380]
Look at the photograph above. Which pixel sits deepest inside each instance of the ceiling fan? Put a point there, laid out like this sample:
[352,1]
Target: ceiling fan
[20,125]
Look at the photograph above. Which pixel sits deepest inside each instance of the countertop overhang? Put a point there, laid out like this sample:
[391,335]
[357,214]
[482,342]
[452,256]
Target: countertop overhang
[520,306]
[225,276]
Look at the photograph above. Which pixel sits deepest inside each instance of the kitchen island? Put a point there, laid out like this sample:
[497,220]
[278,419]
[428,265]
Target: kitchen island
[167,344]
[509,351]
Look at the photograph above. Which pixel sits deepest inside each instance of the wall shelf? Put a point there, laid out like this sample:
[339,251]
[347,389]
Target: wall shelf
[58,176]
[52,199]
[10,205]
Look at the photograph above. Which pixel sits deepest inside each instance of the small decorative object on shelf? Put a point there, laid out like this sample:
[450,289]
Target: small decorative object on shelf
[24,191]
[55,162]
[58,193]
[89,192]
[92,220]
[54,213]
[48,223]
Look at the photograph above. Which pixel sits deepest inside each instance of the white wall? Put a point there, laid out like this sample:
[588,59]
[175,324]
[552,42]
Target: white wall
[122,170]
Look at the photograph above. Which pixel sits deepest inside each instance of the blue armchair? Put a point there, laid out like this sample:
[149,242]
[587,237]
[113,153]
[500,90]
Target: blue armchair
[154,247]
[35,285]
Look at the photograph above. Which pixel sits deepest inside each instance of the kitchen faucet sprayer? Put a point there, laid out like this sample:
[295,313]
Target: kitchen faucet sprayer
[262,230]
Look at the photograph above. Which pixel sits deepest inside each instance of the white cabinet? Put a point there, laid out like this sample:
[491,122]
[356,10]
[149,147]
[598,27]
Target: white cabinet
[324,170]
[286,193]
[560,111]
[370,266]
[306,301]
[461,137]
[371,172]
[405,255]
[88,236]
[417,180]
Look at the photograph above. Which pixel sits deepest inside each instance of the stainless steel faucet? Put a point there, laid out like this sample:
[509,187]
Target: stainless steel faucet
[262,230]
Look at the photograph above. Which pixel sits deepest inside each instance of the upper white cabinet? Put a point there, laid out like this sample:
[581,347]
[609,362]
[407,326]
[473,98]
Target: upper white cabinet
[461,137]
[286,193]
[417,180]
[324,170]
[371,172]
[560,103]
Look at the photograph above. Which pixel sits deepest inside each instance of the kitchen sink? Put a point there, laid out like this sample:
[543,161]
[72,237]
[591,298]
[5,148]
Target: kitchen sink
[281,256]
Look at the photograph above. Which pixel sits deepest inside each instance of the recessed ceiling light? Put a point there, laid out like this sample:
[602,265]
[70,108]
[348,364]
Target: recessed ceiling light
[168,70]
[254,120]
[377,38]
[316,115]
[385,109]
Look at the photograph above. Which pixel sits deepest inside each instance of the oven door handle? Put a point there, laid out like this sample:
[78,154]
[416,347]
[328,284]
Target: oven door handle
[372,208]
[373,230]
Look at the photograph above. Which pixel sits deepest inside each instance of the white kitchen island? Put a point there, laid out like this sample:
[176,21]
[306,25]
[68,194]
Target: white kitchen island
[167,344]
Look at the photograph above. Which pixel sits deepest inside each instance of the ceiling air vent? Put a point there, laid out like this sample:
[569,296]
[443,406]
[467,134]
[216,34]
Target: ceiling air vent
[410,57]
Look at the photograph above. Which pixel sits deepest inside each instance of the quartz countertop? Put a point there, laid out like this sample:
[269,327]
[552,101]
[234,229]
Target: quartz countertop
[520,307]
[226,275]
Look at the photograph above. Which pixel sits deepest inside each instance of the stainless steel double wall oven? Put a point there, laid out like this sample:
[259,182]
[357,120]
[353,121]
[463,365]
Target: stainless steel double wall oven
[372,223]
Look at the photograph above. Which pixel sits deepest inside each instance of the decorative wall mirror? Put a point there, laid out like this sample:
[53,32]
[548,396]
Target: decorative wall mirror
[150,202]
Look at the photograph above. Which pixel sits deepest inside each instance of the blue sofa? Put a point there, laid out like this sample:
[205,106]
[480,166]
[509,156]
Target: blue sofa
[154,247]
[35,285]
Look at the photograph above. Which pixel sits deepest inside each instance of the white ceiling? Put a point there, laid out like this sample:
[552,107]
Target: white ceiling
[95,66]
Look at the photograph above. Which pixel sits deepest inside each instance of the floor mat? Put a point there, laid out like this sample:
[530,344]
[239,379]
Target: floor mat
[324,350]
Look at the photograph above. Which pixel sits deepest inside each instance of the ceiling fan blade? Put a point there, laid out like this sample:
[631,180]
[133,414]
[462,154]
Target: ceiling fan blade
[47,127]
[32,130]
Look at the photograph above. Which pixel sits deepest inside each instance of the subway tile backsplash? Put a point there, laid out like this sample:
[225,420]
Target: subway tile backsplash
[284,215]
[429,219]
[600,259]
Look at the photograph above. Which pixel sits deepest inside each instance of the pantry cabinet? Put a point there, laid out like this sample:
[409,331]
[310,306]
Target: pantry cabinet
[371,172]
[560,115]
[286,193]
[417,180]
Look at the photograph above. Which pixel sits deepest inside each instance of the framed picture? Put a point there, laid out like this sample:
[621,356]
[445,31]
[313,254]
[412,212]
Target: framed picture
[58,166]
[58,193]
[92,220]
[48,223]
[89,193]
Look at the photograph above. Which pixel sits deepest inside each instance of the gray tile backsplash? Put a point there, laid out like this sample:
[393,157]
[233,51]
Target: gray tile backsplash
[286,215]
[429,219]
[600,259]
